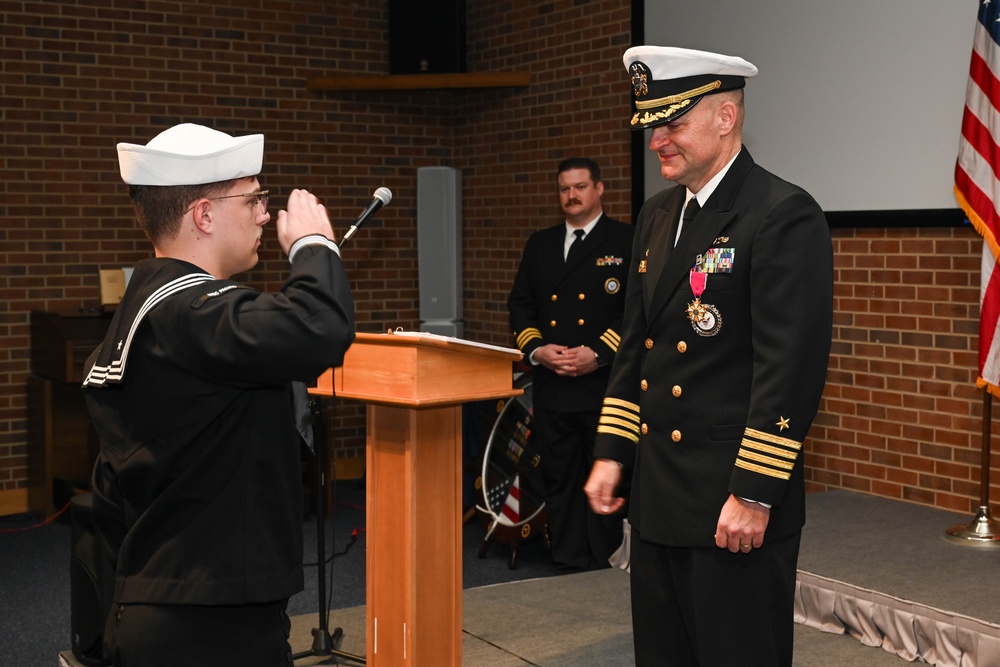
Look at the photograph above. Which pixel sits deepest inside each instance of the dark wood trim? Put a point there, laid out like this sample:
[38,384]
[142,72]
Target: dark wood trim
[938,217]
[384,82]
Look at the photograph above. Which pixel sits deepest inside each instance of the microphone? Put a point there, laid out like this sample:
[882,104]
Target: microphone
[381,197]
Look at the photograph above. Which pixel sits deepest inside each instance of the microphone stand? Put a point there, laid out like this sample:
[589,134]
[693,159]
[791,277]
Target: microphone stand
[323,642]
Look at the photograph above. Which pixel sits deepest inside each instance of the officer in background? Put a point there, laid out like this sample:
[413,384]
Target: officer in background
[566,309]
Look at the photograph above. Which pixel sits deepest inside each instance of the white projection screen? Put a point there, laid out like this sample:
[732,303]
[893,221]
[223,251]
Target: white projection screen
[858,101]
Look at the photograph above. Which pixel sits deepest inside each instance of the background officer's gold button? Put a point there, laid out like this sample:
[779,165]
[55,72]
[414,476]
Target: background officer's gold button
[555,297]
[682,347]
[644,385]
[580,322]
[676,391]
[649,343]
[581,297]
[675,436]
[644,428]
[552,323]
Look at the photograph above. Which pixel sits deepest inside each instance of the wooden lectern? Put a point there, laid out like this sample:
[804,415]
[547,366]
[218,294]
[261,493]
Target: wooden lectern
[414,385]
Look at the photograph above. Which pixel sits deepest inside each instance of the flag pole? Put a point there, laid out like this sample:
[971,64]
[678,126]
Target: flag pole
[978,196]
[983,530]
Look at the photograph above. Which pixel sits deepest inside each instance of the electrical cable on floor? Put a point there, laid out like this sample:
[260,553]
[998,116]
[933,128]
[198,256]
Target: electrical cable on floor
[354,537]
[329,559]
[40,524]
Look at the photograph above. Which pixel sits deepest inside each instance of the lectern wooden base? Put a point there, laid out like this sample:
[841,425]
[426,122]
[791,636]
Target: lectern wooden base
[415,386]
[415,535]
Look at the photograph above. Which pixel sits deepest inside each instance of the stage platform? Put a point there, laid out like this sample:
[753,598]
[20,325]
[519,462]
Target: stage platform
[879,586]
[884,581]
[884,572]
[569,621]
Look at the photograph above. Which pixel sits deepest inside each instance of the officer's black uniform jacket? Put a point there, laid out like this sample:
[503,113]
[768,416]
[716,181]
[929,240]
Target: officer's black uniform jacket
[571,304]
[702,415]
[198,485]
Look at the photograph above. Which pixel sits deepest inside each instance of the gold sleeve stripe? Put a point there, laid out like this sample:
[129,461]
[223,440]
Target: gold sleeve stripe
[766,460]
[618,423]
[773,439]
[611,339]
[608,411]
[528,334]
[619,403]
[768,449]
[762,470]
[628,435]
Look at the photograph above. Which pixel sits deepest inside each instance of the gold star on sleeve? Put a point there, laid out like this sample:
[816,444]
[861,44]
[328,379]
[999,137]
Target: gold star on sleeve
[782,423]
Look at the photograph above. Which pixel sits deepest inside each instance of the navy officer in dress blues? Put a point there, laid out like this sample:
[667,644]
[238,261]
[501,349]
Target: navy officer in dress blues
[723,359]
[566,308]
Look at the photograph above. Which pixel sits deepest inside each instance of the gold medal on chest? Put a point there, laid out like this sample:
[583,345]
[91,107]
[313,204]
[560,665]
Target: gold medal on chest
[705,318]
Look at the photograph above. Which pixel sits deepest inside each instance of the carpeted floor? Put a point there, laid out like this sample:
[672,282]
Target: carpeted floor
[35,584]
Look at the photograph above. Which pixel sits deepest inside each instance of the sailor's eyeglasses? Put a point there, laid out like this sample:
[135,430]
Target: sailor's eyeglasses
[259,198]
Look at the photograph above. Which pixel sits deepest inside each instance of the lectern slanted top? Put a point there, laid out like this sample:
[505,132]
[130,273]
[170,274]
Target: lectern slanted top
[414,369]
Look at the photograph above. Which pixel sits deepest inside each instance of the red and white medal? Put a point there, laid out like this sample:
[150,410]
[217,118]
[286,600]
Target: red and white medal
[705,318]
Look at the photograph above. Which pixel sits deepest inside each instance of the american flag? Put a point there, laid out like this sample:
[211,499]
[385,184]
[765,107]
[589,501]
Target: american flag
[977,180]
[505,501]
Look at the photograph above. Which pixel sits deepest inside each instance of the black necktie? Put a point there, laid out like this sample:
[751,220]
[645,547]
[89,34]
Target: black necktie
[576,246]
[689,212]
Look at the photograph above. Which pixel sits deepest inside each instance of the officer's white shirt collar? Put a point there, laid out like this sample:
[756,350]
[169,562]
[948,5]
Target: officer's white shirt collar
[570,232]
[706,192]
[710,187]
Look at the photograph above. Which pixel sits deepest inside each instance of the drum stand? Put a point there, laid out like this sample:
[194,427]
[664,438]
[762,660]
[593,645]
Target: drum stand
[512,536]
[323,642]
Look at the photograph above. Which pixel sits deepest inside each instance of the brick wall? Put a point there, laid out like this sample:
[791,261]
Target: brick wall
[511,142]
[900,417]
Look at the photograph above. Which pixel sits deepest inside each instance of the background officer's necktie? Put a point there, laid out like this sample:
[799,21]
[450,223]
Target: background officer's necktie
[576,247]
[690,211]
